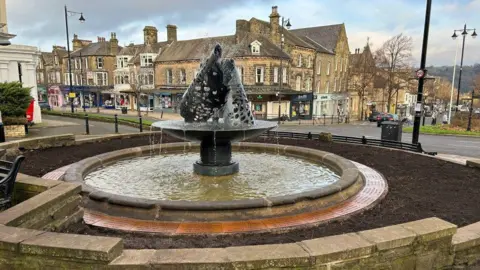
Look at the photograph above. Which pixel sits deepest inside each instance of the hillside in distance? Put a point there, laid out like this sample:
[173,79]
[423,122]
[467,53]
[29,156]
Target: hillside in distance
[468,75]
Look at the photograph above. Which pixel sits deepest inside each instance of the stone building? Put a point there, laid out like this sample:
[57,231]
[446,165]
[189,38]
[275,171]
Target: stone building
[330,68]
[277,78]
[361,75]
[135,73]
[50,77]
[93,65]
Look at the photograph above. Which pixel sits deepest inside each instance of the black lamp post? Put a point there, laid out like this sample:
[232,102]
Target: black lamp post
[421,75]
[82,20]
[285,23]
[454,36]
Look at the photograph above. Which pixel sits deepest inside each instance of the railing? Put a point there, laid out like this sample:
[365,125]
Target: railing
[354,140]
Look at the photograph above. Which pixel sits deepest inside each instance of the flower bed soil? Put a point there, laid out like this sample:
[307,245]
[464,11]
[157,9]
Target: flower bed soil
[419,187]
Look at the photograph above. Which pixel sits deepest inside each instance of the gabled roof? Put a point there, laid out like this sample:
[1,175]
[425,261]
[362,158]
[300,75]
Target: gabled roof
[96,49]
[290,38]
[326,35]
[197,49]
[47,58]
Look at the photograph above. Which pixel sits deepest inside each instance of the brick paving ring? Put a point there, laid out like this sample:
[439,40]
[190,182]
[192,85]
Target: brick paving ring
[359,188]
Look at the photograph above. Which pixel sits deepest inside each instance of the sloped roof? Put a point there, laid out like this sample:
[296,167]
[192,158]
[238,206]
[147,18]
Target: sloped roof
[290,38]
[197,49]
[98,48]
[326,35]
[47,58]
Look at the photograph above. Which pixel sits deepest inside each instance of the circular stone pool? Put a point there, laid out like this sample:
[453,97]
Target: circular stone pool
[170,177]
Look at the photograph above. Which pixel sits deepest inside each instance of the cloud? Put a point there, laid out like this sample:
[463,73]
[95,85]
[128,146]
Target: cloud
[41,23]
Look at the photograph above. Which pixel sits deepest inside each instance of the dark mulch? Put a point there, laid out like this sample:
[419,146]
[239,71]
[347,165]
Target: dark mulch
[419,187]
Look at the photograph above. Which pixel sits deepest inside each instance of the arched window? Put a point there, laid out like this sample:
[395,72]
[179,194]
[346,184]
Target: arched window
[299,60]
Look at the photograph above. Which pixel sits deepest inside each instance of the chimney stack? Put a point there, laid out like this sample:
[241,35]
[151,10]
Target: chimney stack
[113,43]
[171,32]
[275,26]
[150,35]
[76,43]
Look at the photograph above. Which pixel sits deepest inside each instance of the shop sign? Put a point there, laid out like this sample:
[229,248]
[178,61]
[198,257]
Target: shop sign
[71,95]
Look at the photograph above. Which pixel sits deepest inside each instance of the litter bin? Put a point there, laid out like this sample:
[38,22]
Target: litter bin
[392,131]
[124,110]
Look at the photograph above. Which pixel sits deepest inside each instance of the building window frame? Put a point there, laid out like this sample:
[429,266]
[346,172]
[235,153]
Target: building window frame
[169,76]
[259,74]
[101,78]
[298,83]
[275,75]
[299,64]
[100,63]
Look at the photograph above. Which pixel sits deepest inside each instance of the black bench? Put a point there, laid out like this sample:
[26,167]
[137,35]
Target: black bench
[8,175]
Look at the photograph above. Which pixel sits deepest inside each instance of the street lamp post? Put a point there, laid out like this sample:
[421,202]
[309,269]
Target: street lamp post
[454,36]
[285,23]
[421,75]
[82,20]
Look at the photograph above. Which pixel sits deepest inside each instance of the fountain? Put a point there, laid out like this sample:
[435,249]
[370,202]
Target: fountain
[216,112]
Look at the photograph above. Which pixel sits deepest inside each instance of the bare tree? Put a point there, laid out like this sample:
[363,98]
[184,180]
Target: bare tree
[361,76]
[394,58]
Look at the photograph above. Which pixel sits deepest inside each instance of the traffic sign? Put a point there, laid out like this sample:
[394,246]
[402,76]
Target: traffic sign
[420,73]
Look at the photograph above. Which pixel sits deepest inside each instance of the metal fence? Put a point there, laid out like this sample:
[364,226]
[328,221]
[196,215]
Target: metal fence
[353,140]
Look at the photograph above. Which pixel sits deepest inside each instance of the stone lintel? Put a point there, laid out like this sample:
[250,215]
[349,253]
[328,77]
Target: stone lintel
[75,246]
[431,229]
[269,256]
[338,247]
[389,237]
[11,237]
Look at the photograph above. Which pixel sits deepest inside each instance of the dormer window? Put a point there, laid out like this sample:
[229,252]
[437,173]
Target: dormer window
[56,60]
[255,47]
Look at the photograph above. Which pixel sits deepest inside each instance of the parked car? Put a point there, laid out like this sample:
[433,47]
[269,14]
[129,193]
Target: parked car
[44,105]
[373,116]
[477,111]
[384,117]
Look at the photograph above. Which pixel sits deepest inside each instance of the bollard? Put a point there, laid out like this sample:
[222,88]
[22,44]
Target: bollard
[26,129]
[161,115]
[2,133]
[116,123]
[423,123]
[141,123]
[309,136]
[87,127]
[332,118]
[364,140]
[324,119]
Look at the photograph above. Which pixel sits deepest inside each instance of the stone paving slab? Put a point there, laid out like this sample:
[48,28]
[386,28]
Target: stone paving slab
[11,237]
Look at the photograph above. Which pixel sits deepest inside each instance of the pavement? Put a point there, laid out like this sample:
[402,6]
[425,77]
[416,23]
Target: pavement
[452,147]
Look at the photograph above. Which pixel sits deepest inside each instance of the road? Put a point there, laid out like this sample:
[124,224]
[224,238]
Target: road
[463,146]
[454,145]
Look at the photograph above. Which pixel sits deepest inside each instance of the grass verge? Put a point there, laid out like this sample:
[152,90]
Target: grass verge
[134,122]
[444,130]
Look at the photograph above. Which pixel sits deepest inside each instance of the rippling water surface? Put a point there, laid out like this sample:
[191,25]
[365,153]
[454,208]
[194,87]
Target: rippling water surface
[171,177]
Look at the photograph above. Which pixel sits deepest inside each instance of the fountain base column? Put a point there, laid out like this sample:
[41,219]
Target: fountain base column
[215,158]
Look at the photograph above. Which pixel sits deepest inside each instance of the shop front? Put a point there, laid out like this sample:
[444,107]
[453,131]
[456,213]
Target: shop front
[330,104]
[56,97]
[42,93]
[301,106]
[259,104]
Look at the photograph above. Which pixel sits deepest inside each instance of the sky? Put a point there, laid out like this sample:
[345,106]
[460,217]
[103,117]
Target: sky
[41,23]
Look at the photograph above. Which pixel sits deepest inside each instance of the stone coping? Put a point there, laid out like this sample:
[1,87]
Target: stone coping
[40,142]
[348,171]
[475,163]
